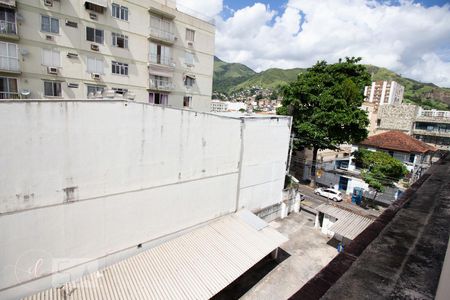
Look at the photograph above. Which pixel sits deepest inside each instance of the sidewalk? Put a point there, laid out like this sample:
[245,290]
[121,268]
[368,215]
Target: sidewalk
[309,254]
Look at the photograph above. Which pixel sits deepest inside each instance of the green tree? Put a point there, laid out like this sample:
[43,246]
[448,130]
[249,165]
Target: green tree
[325,104]
[379,169]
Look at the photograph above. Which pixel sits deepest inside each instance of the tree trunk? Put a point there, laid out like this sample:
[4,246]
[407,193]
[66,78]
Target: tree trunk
[313,168]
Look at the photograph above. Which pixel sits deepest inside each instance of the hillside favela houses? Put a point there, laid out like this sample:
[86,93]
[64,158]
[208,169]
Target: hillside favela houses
[146,51]
[111,163]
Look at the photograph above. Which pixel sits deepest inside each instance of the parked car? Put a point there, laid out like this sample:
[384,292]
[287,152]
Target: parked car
[329,193]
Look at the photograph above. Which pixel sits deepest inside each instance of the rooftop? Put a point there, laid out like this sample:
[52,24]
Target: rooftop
[397,141]
[401,254]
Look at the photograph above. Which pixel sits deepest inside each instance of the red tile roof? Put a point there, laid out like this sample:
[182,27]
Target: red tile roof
[397,141]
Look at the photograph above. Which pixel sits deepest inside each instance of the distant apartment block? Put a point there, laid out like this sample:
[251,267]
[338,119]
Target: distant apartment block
[378,94]
[146,51]
[384,92]
[223,106]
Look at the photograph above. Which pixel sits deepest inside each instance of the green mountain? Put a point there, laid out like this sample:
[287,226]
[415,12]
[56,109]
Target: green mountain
[232,77]
[228,75]
[270,78]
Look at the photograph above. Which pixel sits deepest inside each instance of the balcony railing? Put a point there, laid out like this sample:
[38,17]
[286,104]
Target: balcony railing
[10,64]
[9,95]
[7,27]
[162,85]
[435,114]
[162,35]
[161,60]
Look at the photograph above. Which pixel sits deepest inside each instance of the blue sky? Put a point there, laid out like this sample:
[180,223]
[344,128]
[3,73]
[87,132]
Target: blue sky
[275,4]
[410,39]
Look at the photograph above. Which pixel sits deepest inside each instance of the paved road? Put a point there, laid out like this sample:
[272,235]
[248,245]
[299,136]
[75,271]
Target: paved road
[312,200]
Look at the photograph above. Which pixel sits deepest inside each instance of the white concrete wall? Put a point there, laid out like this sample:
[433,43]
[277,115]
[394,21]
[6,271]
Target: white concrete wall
[356,182]
[264,161]
[139,172]
[328,221]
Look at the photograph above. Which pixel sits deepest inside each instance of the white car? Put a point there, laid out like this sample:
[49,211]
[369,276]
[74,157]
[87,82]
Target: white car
[329,193]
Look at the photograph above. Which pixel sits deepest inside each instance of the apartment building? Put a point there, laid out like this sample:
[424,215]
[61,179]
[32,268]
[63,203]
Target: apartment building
[384,92]
[430,126]
[378,94]
[147,51]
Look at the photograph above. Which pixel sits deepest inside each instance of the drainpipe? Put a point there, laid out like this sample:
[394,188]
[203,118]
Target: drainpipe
[241,156]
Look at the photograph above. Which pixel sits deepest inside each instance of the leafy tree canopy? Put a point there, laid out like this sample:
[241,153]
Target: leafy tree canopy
[379,168]
[325,104]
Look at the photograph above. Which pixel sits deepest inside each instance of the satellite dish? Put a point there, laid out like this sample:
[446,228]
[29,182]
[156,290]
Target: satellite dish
[25,92]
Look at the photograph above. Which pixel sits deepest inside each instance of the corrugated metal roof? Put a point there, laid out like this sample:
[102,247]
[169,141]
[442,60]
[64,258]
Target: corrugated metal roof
[348,224]
[196,265]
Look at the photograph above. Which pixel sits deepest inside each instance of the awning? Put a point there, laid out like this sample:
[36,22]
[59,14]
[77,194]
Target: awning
[159,72]
[348,224]
[196,265]
[102,3]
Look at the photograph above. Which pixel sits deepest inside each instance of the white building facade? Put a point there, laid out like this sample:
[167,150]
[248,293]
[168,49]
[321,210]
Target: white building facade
[384,92]
[146,50]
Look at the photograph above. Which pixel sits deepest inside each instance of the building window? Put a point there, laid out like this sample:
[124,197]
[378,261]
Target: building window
[412,156]
[94,35]
[7,21]
[189,58]
[93,90]
[158,98]
[95,65]
[378,122]
[8,88]
[160,54]
[52,88]
[91,6]
[187,101]
[51,58]
[9,57]
[49,24]
[119,68]
[119,40]
[120,91]
[190,35]
[119,12]
[189,81]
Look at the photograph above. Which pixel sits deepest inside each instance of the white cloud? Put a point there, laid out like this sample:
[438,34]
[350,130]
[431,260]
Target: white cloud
[407,38]
[207,8]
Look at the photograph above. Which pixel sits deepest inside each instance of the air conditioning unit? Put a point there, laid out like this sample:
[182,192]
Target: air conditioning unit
[95,76]
[93,16]
[52,70]
[72,55]
[73,85]
[94,47]
[191,44]
[49,37]
[48,2]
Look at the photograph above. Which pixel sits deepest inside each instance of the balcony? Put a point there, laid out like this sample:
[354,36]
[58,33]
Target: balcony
[9,65]
[434,132]
[160,35]
[9,96]
[161,85]
[8,30]
[8,3]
